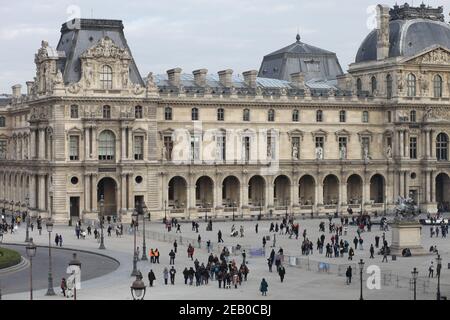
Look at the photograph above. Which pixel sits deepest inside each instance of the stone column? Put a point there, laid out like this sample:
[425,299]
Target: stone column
[427,143]
[86,143]
[402,146]
[243,198]
[432,144]
[407,144]
[41,151]
[87,192]
[433,186]
[343,191]
[131,204]
[42,195]
[427,187]
[319,191]
[123,144]
[217,194]
[32,191]
[192,195]
[130,144]
[33,144]
[94,191]
[269,193]
[123,192]
[94,148]
[294,193]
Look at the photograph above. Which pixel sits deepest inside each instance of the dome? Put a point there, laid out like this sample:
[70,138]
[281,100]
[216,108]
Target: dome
[411,31]
[314,63]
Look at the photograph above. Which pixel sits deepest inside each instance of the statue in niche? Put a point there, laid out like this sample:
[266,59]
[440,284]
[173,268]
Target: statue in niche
[389,152]
[319,153]
[343,152]
[295,151]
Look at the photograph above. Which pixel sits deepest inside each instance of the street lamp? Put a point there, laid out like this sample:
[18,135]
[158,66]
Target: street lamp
[31,252]
[134,273]
[414,276]
[438,273]
[138,288]
[143,210]
[102,208]
[27,235]
[361,269]
[50,291]
[77,263]
[165,209]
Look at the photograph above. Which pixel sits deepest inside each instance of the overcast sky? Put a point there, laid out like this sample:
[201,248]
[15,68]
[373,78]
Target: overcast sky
[190,34]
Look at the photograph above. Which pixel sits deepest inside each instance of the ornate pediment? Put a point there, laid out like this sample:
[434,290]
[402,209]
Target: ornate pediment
[436,114]
[342,133]
[437,55]
[106,48]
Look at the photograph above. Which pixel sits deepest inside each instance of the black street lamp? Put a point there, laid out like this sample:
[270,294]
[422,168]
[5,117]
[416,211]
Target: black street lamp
[361,269]
[134,217]
[138,288]
[415,276]
[77,263]
[102,218]
[438,273]
[50,291]
[31,252]
[27,234]
[143,210]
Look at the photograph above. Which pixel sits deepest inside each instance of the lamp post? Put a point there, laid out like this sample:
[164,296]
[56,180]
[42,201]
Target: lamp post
[143,209]
[50,291]
[27,201]
[75,262]
[134,273]
[165,211]
[31,252]
[138,288]
[414,276]
[438,273]
[361,269]
[102,208]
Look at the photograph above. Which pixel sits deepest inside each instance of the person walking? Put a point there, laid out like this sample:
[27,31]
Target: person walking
[270,263]
[166,275]
[151,277]
[351,253]
[172,257]
[219,236]
[63,286]
[263,287]
[199,241]
[186,275]
[172,275]
[60,240]
[377,241]
[175,245]
[384,255]
[361,243]
[281,272]
[431,270]
[372,251]
[348,274]
[56,239]
[264,242]
[256,228]
[156,256]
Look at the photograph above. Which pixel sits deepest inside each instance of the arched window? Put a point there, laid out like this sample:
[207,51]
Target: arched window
[365,116]
[319,116]
[106,77]
[220,114]
[437,86]
[411,84]
[2,122]
[106,112]
[271,115]
[389,86]
[295,116]
[167,113]
[194,114]
[373,85]
[358,86]
[442,147]
[106,145]
[138,114]
[246,115]
[412,116]
[342,116]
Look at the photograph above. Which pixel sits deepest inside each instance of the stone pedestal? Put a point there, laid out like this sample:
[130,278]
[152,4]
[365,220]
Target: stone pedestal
[407,234]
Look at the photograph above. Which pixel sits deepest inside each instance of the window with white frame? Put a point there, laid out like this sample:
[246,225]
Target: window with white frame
[106,145]
[195,147]
[3,149]
[74,148]
[138,148]
[106,77]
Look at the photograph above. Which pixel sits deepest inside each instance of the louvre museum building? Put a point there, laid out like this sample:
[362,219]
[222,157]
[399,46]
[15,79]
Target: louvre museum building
[93,134]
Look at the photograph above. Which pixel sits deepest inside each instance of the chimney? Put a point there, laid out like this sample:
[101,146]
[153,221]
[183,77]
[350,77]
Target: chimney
[382,32]
[16,91]
[174,76]
[225,77]
[250,78]
[29,87]
[200,77]
[298,79]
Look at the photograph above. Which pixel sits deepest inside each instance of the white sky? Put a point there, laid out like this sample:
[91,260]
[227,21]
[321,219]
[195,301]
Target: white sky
[190,34]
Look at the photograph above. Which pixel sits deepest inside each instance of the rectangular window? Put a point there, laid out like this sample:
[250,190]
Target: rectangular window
[139,148]
[220,114]
[221,148]
[3,145]
[342,147]
[74,148]
[195,147]
[389,116]
[342,116]
[168,146]
[319,142]
[246,146]
[365,117]
[74,112]
[413,147]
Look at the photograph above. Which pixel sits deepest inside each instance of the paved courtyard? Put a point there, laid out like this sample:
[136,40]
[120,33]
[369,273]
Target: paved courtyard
[303,281]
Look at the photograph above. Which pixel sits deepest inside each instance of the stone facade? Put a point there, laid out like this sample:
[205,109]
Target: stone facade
[190,145]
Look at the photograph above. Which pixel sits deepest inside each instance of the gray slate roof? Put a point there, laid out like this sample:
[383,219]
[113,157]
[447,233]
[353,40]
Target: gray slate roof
[315,63]
[407,38]
[75,41]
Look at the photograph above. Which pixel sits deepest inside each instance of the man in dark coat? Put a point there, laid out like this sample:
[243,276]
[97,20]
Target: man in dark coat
[281,272]
[172,275]
[348,274]
[151,277]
